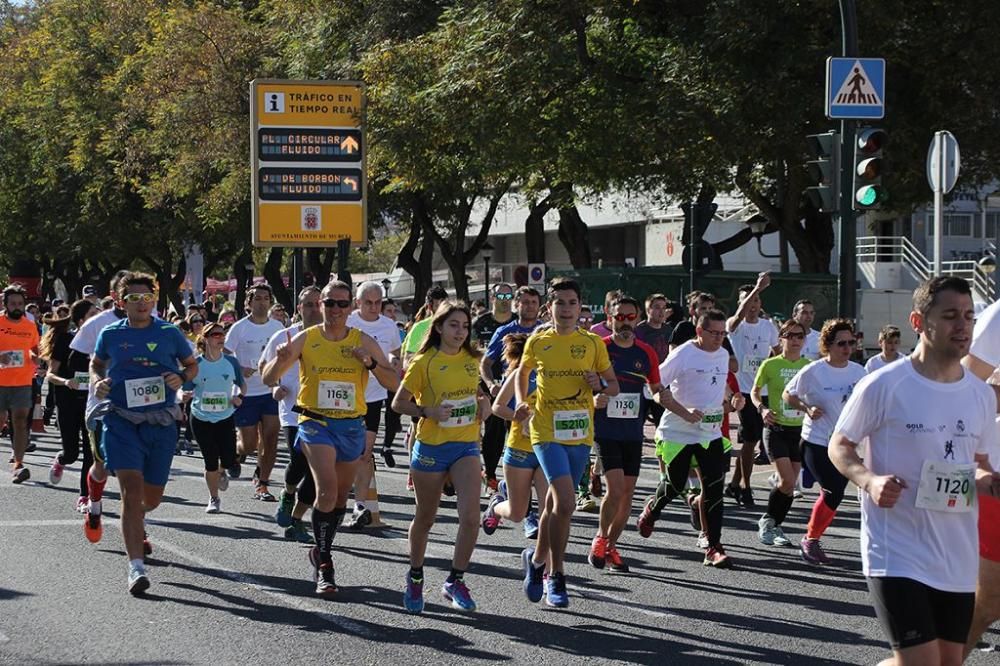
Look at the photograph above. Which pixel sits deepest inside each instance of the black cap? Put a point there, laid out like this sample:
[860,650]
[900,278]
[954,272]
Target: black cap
[436,293]
[88,290]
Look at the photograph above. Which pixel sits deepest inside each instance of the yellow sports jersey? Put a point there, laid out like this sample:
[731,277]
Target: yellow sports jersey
[519,434]
[331,380]
[564,411]
[435,378]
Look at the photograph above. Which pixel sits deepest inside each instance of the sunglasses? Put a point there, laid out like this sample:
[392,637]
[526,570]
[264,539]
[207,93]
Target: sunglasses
[793,336]
[625,317]
[719,334]
[845,343]
[330,302]
[505,297]
[139,298]
[217,334]
[197,321]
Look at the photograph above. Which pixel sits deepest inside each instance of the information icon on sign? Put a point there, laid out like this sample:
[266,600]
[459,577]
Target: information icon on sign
[274,102]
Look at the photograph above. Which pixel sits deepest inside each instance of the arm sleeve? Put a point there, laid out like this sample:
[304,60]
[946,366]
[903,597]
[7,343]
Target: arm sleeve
[671,368]
[84,341]
[761,378]
[653,376]
[413,378]
[799,380]
[232,338]
[189,385]
[99,347]
[986,337]
[602,361]
[237,370]
[861,414]
[528,359]
[494,351]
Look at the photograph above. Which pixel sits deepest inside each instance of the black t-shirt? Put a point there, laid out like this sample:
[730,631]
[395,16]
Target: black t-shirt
[70,361]
[657,338]
[685,331]
[484,326]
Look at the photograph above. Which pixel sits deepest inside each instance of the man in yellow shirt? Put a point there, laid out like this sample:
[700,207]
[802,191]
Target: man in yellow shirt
[567,361]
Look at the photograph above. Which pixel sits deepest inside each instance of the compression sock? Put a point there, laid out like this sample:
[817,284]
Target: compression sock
[822,516]
[778,504]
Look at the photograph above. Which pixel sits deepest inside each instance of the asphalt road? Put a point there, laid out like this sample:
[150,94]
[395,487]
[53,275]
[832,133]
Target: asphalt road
[229,589]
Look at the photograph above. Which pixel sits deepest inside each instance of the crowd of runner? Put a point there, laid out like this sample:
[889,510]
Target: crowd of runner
[541,410]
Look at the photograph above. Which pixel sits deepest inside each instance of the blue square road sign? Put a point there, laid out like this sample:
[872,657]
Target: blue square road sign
[855,88]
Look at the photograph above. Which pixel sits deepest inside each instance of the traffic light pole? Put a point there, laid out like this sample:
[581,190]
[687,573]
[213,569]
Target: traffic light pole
[847,280]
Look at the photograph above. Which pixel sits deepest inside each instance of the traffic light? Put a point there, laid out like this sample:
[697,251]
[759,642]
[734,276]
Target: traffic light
[824,170]
[869,167]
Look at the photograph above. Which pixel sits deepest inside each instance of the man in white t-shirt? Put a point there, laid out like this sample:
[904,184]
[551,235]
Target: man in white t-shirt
[257,415]
[804,313]
[694,375]
[369,318]
[931,433]
[752,338]
[300,490]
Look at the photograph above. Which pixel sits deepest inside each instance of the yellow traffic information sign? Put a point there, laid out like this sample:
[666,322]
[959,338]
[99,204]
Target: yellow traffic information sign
[308,163]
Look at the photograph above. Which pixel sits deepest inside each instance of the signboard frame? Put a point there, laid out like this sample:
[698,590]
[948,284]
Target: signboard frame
[259,222]
[855,111]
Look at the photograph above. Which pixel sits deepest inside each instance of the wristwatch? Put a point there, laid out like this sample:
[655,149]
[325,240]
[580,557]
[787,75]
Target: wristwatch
[373,365]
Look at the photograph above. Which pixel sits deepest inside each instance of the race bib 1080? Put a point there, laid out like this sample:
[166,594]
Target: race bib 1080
[145,391]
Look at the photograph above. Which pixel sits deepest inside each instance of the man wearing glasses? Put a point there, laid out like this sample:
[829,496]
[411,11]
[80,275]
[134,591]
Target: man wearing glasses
[135,375]
[257,415]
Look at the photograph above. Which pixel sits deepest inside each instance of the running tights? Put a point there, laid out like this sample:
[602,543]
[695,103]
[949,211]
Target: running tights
[712,463]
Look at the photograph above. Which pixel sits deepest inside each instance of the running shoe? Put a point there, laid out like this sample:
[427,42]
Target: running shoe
[263,494]
[55,472]
[703,541]
[283,515]
[797,492]
[413,595]
[694,505]
[138,582]
[360,519]
[765,530]
[214,505]
[555,591]
[502,489]
[325,585]
[491,521]
[531,525]
[457,592]
[390,460]
[92,527]
[297,531]
[223,481]
[234,471]
[812,551]
[20,474]
[747,499]
[716,557]
[779,537]
[733,492]
[598,552]
[646,521]
[31,447]
[615,561]
[586,503]
[596,487]
[534,586]
[81,504]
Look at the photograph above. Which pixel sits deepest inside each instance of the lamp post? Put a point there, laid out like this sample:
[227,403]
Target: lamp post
[386,283]
[248,267]
[487,252]
[989,266]
[758,224]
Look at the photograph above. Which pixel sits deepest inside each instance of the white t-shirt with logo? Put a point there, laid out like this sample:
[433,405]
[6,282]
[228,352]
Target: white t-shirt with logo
[290,380]
[822,385]
[385,332]
[876,362]
[986,336]
[910,422]
[697,380]
[247,341]
[85,341]
[752,344]
[810,349]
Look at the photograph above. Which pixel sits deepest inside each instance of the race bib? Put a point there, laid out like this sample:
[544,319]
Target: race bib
[624,406]
[336,395]
[789,413]
[145,391]
[82,380]
[463,412]
[751,364]
[947,487]
[570,425]
[12,359]
[711,420]
[214,401]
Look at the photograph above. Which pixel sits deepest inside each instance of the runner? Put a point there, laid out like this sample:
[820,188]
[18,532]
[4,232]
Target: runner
[888,340]
[18,350]
[213,404]
[930,430]
[136,378]
[752,338]
[568,361]
[695,377]
[333,372]
[257,415]
[521,470]
[603,329]
[69,381]
[441,388]
[369,319]
[782,429]
[300,489]
[392,421]
[618,424]
[820,391]
[494,428]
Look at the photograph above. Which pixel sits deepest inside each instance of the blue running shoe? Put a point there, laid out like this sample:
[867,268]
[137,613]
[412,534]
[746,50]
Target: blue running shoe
[283,515]
[458,594]
[555,591]
[531,525]
[533,587]
[413,597]
[502,488]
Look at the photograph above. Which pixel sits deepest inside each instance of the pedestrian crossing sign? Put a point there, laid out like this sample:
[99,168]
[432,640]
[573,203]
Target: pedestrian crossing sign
[855,88]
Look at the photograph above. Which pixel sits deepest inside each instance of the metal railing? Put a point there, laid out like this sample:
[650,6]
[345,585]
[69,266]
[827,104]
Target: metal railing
[899,249]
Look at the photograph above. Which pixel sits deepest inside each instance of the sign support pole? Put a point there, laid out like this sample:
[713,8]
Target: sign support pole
[939,203]
[847,274]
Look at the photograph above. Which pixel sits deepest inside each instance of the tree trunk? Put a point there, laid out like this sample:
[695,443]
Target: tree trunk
[534,230]
[272,273]
[575,236]
[240,271]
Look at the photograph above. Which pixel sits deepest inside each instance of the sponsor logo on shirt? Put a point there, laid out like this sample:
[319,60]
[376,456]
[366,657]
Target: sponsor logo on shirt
[577,351]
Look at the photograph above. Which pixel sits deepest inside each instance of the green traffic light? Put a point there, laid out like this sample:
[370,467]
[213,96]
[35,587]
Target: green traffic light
[870,195]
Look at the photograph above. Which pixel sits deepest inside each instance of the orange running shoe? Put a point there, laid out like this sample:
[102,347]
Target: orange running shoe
[92,527]
[598,552]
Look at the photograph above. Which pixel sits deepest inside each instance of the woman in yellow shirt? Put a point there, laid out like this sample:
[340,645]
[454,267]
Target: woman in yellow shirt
[441,388]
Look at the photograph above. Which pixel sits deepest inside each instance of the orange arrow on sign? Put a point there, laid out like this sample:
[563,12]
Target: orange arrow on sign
[349,145]
[352,182]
